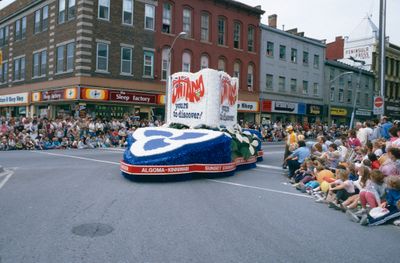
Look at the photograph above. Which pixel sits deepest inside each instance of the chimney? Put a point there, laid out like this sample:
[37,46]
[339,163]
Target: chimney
[272,20]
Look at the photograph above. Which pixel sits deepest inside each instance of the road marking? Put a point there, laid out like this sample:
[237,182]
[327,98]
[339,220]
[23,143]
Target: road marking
[259,188]
[270,167]
[272,152]
[8,175]
[119,150]
[77,157]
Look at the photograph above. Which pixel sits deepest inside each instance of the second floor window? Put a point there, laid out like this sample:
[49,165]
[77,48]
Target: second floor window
[250,39]
[126,60]
[127,14]
[221,31]
[250,77]
[4,36]
[270,49]
[102,57]
[148,64]
[236,70]
[61,11]
[149,15]
[282,83]
[316,61]
[19,68]
[341,97]
[205,29]
[315,89]
[236,35]
[186,62]
[269,81]
[167,17]
[305,58]
[71,9]
[164,64]
[187,22]
[293,85]
[37,24]
[282,52]
[4,73]
[293,55]
[65,57]
[104,9]
[305,87]
[39,64]
[204,61]
[20,28]
[221,64]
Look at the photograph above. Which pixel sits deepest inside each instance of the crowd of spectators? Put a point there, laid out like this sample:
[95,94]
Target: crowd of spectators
[356,171]
[63,133]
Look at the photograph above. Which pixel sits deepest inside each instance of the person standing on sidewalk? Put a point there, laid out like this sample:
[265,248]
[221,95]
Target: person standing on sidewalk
[291,141]
[297,158]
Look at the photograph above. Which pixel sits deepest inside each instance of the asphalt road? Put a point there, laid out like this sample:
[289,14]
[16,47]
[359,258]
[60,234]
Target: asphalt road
[73,206]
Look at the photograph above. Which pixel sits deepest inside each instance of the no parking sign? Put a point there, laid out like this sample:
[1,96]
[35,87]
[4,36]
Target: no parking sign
[378,105]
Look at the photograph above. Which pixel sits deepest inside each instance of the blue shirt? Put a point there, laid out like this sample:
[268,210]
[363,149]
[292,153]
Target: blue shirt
[392,196]
[385,130]
[301,153]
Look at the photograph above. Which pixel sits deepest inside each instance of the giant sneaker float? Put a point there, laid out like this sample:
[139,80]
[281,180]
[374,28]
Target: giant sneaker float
[200,139]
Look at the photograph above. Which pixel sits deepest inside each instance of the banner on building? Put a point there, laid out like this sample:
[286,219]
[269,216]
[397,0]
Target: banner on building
[14,99]
[248,106]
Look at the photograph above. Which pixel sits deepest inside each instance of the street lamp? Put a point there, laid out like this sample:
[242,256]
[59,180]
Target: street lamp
[329,99]
[362,64]
[181,34]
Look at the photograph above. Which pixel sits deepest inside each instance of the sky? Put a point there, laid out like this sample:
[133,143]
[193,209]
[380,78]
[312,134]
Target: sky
[324,19]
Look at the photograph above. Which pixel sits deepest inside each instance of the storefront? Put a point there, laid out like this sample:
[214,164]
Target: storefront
[14,105]
[248,111]
[314,113]
[392,110]
[107,103]
[283,111]
[340,116]
[363,115]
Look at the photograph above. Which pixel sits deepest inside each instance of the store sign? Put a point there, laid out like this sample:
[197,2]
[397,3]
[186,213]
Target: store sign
[338,112]
[266,106]
[132,97]
[94,94]
[284,107]
[248,106]
[51,95]
[314,109]
[366,113]
[14,99]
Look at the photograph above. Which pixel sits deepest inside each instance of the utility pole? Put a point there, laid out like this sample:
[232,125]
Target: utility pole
[382,40]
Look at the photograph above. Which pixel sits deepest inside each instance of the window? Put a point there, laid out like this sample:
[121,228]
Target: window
[126,60]
[315,89]
[186,61]
[39,64]
[250,39]
[221,64]
[269,81]
[149,17]
[341,97]
[23,27]
[3,36]
[236,70]
[187,22]
[19,68]
[293,55]
[104,9]
[305,87]
[236,35]
[205,27]
[293,85]
[270,49]
[221,31]
[167,17]
[332,95]
[70,56]
[282,52]
[60,59]
[148,64]
[316,61]
[127,12]
[366,99]
[349,96]
[61,11]
[358,98]
[18,30]
[305,58]
[204,61]
[45,18]
[281,83]
[71,9]
[4,73]
[37,22]
[250,77]
[164,64]
[102,57]
[331,73]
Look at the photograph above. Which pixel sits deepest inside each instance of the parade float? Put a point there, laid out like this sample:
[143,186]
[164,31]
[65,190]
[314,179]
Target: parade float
[201,137]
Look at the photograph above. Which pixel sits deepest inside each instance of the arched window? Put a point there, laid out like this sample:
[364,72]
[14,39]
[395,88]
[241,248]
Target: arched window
[237,31]
[204,61]
[250,77]
[221,64]
[186,61]
[187,22]
[164,63]
[236,70]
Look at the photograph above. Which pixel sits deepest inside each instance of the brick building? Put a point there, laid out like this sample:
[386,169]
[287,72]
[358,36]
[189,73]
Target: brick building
[222,34]
[105,58]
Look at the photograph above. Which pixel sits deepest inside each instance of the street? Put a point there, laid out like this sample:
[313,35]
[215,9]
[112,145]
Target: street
[74,206]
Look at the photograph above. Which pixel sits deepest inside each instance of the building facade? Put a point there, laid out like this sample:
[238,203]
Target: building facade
[350,90]
[291,75]
[108,58]
[222,35]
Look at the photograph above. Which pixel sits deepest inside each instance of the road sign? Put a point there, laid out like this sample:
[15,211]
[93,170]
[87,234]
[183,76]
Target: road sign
[378,105]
